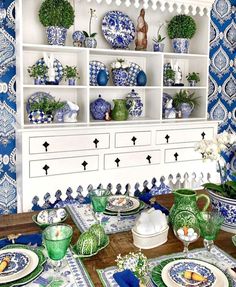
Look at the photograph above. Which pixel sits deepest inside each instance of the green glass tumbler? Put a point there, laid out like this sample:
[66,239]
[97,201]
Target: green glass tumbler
[99,203]
[57,239]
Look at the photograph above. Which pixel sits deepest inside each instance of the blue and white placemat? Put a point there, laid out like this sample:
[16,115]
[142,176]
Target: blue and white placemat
[222,259]
[83,217]
[73,274]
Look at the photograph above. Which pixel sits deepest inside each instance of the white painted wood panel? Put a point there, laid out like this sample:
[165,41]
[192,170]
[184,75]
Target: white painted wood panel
[181,154]
[133,139]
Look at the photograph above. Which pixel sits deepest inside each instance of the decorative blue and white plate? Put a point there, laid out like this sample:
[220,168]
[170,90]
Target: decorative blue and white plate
[94,68]
[122,203]
[176,274]
[133,71]
[36,98]
[118,29]
[57,67]
[18,261]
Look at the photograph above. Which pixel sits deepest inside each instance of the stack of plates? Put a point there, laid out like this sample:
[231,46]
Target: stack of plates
[25,265]
[126,205]
[171,273]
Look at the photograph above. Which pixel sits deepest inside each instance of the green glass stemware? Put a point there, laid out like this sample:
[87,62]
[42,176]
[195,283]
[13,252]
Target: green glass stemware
[57,239]
[99,204]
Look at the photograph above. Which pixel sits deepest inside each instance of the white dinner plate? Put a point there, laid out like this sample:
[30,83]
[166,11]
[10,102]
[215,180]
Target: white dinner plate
[221,279]
[30,259]
[122,203]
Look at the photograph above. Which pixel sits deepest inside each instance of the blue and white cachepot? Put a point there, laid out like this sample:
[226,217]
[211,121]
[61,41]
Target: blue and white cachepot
[71,82]
[120,77]
[158,47]
[181,45]
[56,35]
[227,208]
[37,81]
[39,117]
[134,104]
[90,42]
[78,38]
[186,110]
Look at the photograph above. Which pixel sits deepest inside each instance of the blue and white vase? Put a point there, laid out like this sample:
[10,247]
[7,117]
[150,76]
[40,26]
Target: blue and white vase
[99,108]
[186,110]
[71,82]
[78,38]
[120,77]
[158,47]
[181,45]
[90,42]
[102,78]
[37,81]
[141,79]
[56,35]
[134,104]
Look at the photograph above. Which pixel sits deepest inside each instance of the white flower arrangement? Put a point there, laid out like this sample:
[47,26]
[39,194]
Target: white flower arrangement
[120,64]
[136,262]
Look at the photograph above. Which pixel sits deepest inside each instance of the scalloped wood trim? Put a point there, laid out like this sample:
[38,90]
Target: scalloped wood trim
[194,7]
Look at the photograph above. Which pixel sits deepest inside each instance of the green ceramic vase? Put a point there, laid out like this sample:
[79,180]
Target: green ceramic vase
[120,112]
[185,210]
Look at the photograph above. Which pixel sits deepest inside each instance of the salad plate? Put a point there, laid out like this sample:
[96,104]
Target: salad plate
[94,68]
[176,274]
[118,29]
[122,203]
[126,213]
[57,67]
[35,268]
[22,262]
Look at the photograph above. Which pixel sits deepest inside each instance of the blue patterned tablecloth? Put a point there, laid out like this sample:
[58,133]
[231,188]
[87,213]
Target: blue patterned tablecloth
[223,259]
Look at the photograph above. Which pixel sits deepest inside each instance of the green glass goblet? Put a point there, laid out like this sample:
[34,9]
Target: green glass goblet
[99,204]
[56,239]
[210,223]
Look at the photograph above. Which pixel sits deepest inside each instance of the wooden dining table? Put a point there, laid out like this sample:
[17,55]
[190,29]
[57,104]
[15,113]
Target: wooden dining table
[120,243]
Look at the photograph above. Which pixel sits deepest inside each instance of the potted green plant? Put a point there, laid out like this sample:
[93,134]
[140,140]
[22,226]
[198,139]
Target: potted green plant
[71,74]
[169,77]
[57,16]
[223,194]
[193,78]
[158,46]
[181,29]
[43,110]
[90,41]
[37,72]
[185,102]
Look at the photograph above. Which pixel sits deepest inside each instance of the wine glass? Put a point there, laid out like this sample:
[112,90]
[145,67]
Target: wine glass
[210,223]
[187,233]
[56,239]
[99,203]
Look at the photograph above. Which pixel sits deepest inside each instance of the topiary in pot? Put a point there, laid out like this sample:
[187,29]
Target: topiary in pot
[57,16]
[180,29]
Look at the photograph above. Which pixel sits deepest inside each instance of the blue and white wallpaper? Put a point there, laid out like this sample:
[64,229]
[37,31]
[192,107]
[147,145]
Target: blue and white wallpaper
[222,89]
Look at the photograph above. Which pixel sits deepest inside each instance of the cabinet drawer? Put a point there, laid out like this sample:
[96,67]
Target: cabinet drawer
[133,139]
[68,143]
[183,135]
[181,154]
[63,166]
[132,159]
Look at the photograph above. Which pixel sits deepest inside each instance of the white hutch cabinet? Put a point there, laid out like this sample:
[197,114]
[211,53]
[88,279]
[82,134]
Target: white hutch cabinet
[57,156]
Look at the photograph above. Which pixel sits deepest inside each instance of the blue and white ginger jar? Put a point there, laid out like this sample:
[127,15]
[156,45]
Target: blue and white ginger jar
[99,108]
[134,104]
[56,35]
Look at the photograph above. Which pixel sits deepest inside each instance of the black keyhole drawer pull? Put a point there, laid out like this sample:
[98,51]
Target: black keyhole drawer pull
[149,159]
[46,145]
[46,167]
[96,141]
[167,138]
[176,156]
[84,164]
[203,135]
[117,161]
[134,140]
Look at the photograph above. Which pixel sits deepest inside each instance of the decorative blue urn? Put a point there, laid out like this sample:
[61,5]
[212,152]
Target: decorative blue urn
[141,79]
[134,104]
[102,78]
[99,108]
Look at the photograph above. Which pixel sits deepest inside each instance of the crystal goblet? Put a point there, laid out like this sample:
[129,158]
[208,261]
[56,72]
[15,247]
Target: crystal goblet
[210,223]
[56,239]
[99,204]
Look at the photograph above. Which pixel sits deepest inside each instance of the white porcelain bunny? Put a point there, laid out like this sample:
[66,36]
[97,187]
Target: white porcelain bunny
[71,116]
[49,61]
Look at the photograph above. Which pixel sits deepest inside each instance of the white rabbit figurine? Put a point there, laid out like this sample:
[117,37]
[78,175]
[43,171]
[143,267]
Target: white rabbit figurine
[49,61]
[71,115]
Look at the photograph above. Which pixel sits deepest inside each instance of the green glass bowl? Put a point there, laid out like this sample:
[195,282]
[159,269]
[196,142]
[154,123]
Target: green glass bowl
[234,239]
[44,225]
